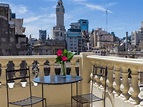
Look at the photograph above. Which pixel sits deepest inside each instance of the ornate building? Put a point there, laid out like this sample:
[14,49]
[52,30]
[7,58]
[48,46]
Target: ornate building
[59,29]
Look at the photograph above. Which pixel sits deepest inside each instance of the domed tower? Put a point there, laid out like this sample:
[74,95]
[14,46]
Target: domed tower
[59,29]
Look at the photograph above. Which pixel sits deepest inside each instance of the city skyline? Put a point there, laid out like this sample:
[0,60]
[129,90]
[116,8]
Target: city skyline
[121,16]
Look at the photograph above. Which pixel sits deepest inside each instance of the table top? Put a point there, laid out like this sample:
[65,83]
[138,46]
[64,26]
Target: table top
[57,79]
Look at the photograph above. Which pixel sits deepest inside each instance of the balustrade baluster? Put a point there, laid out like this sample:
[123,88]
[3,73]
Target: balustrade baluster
[134,89]
[41,67]
[110,78]
[117,80]
[97,78]
[52,66]
[125,83]
[73,72]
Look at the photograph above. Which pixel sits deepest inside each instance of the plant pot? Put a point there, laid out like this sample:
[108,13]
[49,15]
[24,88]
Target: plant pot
[23,83]
[11,84]
[35,84]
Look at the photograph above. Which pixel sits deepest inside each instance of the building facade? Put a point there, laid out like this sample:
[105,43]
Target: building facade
[7,31]
[102,41]
[12,38]
[50,47]
[76,36]
[141,36]
[101,38]
[83,24]
[135,37]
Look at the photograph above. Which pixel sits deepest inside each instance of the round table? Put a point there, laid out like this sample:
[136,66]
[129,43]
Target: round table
[58,80]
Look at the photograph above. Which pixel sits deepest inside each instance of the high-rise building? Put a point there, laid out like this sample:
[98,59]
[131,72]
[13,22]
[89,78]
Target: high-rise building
[83,24]
[141,36]
[42,35]
[75,40]
[135,37]
[59,29]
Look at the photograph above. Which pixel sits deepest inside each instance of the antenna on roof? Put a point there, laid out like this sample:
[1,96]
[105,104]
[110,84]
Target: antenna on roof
[106,20]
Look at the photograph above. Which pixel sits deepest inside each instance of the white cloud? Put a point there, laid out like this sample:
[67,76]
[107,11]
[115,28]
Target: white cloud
[111,4]
[53,15]
[32,30]
[94,6]
[34,22]
[44,9]
[68,16]
[19,9]
[31,19]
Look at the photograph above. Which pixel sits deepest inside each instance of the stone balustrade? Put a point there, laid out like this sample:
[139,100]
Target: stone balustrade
[43,62]
[123,79]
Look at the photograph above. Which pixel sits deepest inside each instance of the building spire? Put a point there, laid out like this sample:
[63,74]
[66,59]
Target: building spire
[60,1]
[59,29]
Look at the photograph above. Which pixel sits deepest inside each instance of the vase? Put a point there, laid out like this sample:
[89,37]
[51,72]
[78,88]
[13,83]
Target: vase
[63,69]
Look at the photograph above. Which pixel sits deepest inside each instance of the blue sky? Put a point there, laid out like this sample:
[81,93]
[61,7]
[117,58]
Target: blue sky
[123,15]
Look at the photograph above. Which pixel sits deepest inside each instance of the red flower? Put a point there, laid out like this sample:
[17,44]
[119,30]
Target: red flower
[59,52]
[64,58]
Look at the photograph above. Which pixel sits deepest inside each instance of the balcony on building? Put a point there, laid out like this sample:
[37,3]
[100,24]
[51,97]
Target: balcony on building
[122,90]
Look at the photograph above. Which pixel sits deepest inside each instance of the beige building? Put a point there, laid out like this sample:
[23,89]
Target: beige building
[19,29]
[48,48]
[101,38]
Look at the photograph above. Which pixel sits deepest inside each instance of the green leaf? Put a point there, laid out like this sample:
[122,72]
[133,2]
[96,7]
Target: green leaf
[58,60]
[70,55]
[65,52]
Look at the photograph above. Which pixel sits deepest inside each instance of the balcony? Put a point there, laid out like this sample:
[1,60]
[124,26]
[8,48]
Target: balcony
[122,90]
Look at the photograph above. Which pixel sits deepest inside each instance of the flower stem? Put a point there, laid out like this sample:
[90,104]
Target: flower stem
[63,68]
